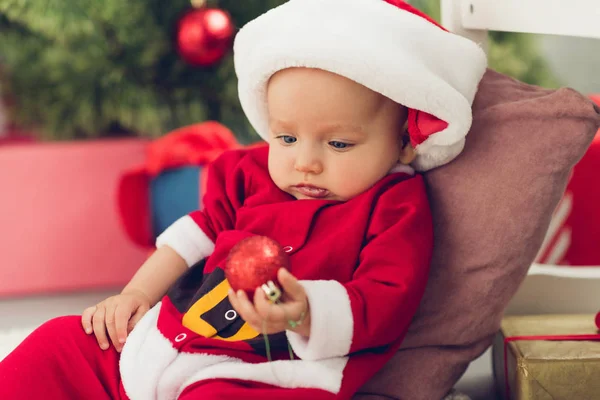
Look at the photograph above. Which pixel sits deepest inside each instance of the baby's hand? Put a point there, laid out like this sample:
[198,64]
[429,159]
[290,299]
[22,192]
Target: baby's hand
[116,315]
[290,313]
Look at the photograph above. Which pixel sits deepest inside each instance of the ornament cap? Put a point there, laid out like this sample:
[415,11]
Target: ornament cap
[198,3]
[272,291]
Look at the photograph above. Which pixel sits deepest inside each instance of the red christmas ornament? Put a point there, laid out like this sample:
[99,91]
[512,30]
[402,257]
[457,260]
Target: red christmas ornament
[598,320]
[204,36]
[253,262]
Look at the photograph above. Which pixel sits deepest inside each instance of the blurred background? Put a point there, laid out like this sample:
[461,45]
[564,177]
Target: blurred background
[87,86]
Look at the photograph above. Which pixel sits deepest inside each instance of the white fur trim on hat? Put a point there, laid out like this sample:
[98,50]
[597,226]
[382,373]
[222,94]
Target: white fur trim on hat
[389,50]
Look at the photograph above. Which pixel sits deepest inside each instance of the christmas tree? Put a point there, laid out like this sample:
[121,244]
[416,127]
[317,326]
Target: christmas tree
[88,68]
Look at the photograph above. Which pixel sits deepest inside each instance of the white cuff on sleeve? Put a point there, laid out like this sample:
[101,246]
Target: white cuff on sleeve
[187,239]
[332,323]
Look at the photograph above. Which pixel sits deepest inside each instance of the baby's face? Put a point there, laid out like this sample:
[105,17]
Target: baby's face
[330,137]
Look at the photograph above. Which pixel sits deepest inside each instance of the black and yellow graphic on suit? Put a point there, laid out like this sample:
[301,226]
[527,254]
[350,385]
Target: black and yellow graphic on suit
[212,315]
[202,299]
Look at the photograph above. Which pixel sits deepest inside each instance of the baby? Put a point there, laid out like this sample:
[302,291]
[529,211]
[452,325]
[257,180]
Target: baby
[348,94]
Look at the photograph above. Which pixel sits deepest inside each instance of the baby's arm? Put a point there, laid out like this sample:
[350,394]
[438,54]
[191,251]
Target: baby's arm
[157,274]
[183,244]
[375,308]
[117,315]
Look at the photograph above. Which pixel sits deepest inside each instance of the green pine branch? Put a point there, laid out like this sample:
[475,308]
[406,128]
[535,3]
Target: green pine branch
[84,68]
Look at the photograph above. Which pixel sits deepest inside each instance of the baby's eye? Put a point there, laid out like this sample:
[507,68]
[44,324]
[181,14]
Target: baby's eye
[340,145]
[287,139]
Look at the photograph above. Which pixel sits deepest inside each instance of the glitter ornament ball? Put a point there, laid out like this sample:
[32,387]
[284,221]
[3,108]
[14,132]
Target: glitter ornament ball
[204,36]
[598,320]
[254,261]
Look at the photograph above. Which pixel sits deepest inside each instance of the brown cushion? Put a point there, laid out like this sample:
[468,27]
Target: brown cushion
[491,208]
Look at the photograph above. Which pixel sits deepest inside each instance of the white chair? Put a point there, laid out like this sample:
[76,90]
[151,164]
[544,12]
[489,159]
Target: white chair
[474,18]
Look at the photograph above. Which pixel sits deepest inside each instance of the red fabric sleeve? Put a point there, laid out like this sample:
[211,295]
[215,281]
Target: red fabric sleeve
[224,194]
[394,265]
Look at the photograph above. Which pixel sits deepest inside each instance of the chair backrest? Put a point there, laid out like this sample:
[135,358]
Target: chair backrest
[473,18]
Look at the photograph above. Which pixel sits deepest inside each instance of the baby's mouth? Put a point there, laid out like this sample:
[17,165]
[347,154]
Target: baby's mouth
[312,191]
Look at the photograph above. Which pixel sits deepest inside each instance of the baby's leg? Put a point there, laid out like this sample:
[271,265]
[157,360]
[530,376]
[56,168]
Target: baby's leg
[59,361]
[232,389]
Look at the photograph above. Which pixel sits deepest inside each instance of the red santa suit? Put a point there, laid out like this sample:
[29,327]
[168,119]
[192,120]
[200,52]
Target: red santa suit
[363,263]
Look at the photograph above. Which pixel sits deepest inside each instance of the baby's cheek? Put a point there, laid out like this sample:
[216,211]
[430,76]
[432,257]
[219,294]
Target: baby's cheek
[351,184]
[276,169]
[277,177]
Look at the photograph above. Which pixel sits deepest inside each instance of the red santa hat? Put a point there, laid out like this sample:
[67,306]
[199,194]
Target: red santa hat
[385,45]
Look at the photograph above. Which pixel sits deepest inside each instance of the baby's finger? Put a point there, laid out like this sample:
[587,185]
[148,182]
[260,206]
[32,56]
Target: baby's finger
[122,315]
[111,324]
[291,287]
[99,324]
[135,318]
[86,319]
[233,299]
[247,311]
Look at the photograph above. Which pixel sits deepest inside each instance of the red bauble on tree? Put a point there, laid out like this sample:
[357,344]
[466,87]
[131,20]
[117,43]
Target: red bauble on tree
[253,262]
[204,36]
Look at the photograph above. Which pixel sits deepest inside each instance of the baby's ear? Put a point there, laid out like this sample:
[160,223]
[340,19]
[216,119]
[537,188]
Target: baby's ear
[407,153]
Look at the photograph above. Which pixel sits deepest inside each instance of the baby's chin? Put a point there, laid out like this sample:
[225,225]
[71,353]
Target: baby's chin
[300,196]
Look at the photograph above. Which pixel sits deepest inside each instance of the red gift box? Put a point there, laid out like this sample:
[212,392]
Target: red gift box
[59,227]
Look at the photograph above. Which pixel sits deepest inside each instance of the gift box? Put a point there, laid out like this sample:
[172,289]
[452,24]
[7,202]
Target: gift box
[549,357]
[59,226]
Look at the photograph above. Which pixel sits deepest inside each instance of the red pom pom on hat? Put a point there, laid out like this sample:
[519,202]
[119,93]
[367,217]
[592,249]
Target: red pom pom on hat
[421,125]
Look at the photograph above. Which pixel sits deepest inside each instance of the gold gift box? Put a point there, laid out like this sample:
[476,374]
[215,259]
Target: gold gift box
[548,369]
